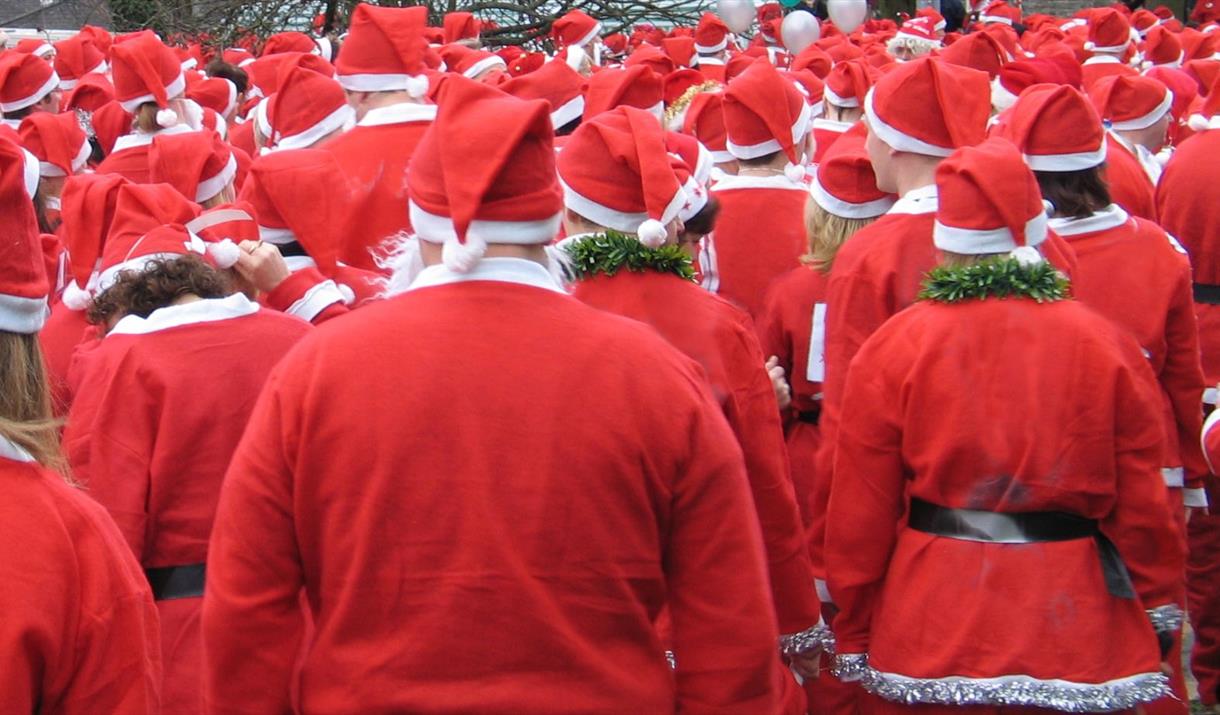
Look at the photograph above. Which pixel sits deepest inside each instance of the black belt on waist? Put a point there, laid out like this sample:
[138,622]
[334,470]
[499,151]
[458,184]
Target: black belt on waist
[170,582]
[1022,528]
[292,248]
[809,416]
[1205,293]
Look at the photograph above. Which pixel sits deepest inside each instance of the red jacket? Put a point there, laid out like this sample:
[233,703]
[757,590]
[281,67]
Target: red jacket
[1129,184]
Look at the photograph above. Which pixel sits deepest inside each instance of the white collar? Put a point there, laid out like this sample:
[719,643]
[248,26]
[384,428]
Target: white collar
[711,61]
[14,123]
[1102,60]
[779,181]
[128,141]
[9,450]
[1110,217]
[505,270]
[916,201]
[1121,140]
[398,114]
[200,311]
[831,125]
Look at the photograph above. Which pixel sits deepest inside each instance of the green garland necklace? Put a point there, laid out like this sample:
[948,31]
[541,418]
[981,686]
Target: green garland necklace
[612,251]
[1000,277]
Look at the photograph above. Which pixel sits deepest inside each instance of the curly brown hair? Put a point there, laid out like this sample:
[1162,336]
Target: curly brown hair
[162,282]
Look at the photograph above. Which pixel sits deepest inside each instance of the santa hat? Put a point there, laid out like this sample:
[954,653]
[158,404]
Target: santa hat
[808,84]
[575,29]
[198,164]
[767,16]
[1204,72]
[1143,20]
[461,26]
[469,62]
[635,86]
[35,46]
[24,81]
[138,210]
[384,51]
[473,182]
[1181,84]
[919,33]
[692,152]
[764,114]
[929,107]
[704,120]
[1130,102]
[844,184]
[23,279]
[290,42]
[215,93]
[1002,13]
[651,56]
[1109,31]
[1057,129]
[307,107]
[1208,116]
[110,121]
[76,57]
[58,142]
[680,50]
[1015,77]
[930,13]
[617,173]
[560,85]
[90,93]
[100,36]
[979,51]
[527,63]
[87,207]
[849,82]
[813,59]
[1162,47]
[237,56]
[711,34]
[293,195]
[988,202]
[147,71]
[679,82]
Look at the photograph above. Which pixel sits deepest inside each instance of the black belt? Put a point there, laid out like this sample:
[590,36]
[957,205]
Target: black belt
[809,416]
[170,582]
[1022,528]
[291,249]
[1205,293]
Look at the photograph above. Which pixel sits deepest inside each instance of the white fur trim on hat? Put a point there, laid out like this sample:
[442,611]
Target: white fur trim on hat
[753,151]
[209,188]
[375,82]
[846,102]
[603,215]
[589,36]
[50,170]
[19,314]
[973,242]
[107,278]
[483,65]
[173,89]
[332,122]
[895,138]
[1067,162]
[568,111]
[261,122]
[30,172]
[1108,49]
[574,56]
[1148,119]
[995,18]
[712,49]
[47,87]
[1001,98]
[439,229]
[838,207]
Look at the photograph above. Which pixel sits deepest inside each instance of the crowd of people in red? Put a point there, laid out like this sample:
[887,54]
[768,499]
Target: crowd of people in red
[671,372]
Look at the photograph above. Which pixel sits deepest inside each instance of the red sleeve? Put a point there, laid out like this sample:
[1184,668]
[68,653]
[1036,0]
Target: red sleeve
[308,295]
[1182,377]
[252,623]
[771,335]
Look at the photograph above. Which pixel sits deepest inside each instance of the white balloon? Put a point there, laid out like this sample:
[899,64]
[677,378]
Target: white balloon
[737,14]
[847,15]
[799,30]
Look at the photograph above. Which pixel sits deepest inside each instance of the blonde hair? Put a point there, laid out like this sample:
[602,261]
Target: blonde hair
[826,233]
[25,401]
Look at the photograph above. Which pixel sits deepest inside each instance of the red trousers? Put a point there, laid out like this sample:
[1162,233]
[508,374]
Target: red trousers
[1203,600]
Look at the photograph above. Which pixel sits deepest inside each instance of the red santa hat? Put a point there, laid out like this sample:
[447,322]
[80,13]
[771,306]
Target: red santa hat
[680,50]
[307,107]
[461,26]
[1002,13]
[711,34]
[527,63]
[473,182]
[764,114]
[292,194]
[469,62]
[198,164]
[23,279]
[1130,102]
[617,173]
[87,208]
[979,51]
[1109,31]
[849,82]
[35,46]
[575,29]
[110,121]
[1015,77]
[58,142]
[215,93]
[651,56]
[1143,20]
[24,81]
[384,51]
[1208,115]
[76,57]
[769,15]
[704,120]
[844,184]
[813,59]
[561,87]
[692,153]
[988,202]
[1181,84]
[1057,129]
[282,42]
[138,209]
[1197,45]
[1162,48]
[90,93]
[147,71]
[930,13]
[635,86]
[238,56]
[920,31]
[929,107]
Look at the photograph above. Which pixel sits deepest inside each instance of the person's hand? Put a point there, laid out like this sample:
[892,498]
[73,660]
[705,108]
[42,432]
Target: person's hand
[261,265]
[807,666]
[783,393]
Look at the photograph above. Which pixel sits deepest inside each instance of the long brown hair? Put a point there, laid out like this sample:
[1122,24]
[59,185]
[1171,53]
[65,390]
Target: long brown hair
[25,401]
[826,233]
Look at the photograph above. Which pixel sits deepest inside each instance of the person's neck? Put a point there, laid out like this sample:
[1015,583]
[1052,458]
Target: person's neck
[1142,138]
[433,253]
[914,171]
[775,167]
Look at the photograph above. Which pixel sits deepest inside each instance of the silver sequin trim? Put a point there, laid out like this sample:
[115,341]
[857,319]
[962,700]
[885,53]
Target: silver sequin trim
[851,667]
[1165,618]
[810,640]
[673,661]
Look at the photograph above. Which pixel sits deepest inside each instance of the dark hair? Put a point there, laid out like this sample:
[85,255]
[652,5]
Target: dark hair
[1075,194]
[233,73]
[22,113]
[568,128]
[760,161]
[703,222]
[159,284]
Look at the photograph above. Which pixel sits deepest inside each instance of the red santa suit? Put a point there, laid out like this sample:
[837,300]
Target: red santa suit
[537,641]
[374,157]
[712,69]
[1130,186]
[151,448]
[79,626]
